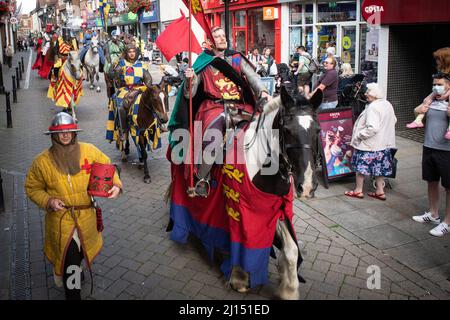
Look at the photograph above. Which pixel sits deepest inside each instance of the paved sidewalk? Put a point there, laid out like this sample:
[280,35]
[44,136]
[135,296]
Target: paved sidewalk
[340,236]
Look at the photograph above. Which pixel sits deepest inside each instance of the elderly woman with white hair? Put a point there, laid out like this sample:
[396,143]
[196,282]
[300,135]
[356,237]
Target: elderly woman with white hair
[373,140]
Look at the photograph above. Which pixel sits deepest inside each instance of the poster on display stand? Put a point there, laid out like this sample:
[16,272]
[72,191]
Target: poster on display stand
[336,128]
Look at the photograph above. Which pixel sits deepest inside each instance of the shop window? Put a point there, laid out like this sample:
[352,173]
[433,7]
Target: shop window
[261,32]
[336,11]
[348,43]
[295,13]
[309,14]
[309,39]
[295,39]
[239,19]
[369,53]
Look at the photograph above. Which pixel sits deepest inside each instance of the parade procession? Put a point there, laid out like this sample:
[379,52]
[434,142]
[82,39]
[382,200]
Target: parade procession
[224,150]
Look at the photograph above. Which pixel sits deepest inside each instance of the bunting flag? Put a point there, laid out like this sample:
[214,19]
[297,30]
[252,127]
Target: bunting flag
[175,39]
[199,16]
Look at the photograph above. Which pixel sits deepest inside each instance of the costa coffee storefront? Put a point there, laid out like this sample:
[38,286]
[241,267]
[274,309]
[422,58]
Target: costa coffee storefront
[409,31]
[253,23]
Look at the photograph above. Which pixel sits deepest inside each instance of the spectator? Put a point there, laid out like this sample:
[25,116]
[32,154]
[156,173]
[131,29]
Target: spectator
[436,156]
[302,73]
[9,52]
[373,140]
[268,63]
[345,77]
[328,83]
[256,59]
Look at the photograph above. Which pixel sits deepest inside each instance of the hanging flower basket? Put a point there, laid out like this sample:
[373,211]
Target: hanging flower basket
[4,8]
[138,6]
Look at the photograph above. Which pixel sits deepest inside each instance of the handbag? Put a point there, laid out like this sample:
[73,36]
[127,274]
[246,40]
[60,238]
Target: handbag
[394,164]
[273,71]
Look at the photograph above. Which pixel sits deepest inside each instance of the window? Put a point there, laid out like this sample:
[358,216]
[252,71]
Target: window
[336,11]
[295,39]
[295,13]
[369,53]
[239,19]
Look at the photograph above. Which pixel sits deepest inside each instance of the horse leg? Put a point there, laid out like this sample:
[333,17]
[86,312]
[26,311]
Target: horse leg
[127,146]
[239,280]
[97,77]
[147,178]
[91,79]
[287,264]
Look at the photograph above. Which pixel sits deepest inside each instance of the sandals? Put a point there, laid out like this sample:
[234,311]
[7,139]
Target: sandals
[354,194]
[380,196]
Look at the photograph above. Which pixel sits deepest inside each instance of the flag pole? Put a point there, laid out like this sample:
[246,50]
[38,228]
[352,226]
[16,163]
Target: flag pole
[191,144]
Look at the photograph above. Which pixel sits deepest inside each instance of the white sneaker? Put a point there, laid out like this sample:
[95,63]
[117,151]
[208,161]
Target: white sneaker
[427,217]
[441,230]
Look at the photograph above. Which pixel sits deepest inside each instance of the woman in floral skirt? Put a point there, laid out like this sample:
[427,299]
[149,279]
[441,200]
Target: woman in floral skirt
[373,140]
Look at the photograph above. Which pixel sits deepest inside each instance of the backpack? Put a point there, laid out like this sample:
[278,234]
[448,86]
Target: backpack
[313,66]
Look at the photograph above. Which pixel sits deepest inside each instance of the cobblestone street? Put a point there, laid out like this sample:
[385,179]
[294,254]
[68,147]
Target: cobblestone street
[340,237]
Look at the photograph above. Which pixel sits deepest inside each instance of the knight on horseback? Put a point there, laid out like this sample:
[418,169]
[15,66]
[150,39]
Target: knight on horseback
[230,87]
[114,48]
[134,78]
[88,39]
[63,45]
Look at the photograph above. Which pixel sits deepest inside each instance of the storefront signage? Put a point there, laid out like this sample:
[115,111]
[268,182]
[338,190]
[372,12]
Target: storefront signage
[13,20]
[346,57]
[151,15]
[269,13]
[386,12]
[346,43]
[336,128]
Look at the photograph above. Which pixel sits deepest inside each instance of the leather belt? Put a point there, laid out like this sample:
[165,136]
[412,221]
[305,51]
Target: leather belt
[76,208]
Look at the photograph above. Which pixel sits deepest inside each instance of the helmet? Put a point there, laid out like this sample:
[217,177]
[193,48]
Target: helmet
[130,47]
[114,33]
[62,122]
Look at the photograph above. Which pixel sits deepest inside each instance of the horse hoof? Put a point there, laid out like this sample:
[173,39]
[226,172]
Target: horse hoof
[91,87]
[98,89]
[147,180]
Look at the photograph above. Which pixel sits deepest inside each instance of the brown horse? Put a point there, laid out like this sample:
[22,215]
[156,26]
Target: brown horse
[151,107]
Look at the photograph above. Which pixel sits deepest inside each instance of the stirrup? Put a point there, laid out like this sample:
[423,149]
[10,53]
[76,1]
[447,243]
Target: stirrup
[192,191]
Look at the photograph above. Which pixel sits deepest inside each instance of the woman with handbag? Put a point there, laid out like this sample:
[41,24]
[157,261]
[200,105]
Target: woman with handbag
[58,183]
[268,63]
[373,140]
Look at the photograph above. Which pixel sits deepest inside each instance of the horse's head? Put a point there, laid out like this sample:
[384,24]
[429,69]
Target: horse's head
[153,98]
[299,132]
[75,65]
[94,46]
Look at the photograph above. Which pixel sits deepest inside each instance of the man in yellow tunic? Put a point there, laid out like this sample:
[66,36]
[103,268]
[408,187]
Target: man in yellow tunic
[57,182]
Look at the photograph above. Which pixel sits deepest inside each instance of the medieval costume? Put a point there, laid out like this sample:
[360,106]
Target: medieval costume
[228,82]
[134,79]
[39,58]
[62,172]
[47,56]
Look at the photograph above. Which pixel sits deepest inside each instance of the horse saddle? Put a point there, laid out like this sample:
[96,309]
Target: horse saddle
[127,103]
[234,116]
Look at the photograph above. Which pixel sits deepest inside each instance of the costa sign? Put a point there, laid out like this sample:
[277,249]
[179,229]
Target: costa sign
[390,12]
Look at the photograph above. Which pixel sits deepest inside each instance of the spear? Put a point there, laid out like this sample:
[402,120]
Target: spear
[191,144]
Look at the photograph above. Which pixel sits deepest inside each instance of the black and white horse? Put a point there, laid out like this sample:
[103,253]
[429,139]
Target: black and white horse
[282,138]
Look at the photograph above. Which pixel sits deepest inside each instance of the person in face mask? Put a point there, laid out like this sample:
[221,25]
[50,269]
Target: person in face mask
[442,57]
[436,154]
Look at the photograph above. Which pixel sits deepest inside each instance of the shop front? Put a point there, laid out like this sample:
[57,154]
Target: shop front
[127,22]
[253,24]
[409,32]
[314,23]
[150,22]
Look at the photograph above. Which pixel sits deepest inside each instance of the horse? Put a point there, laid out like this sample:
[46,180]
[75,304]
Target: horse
[151,112]
[282,135]
[92,64]
[68,89]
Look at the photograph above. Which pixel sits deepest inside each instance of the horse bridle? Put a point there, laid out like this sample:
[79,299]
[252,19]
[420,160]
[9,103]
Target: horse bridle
[284,147]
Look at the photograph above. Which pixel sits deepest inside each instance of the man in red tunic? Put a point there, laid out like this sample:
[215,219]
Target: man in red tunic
[228,84]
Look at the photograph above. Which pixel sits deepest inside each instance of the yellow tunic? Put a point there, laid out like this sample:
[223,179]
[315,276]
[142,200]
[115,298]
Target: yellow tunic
[45,181]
